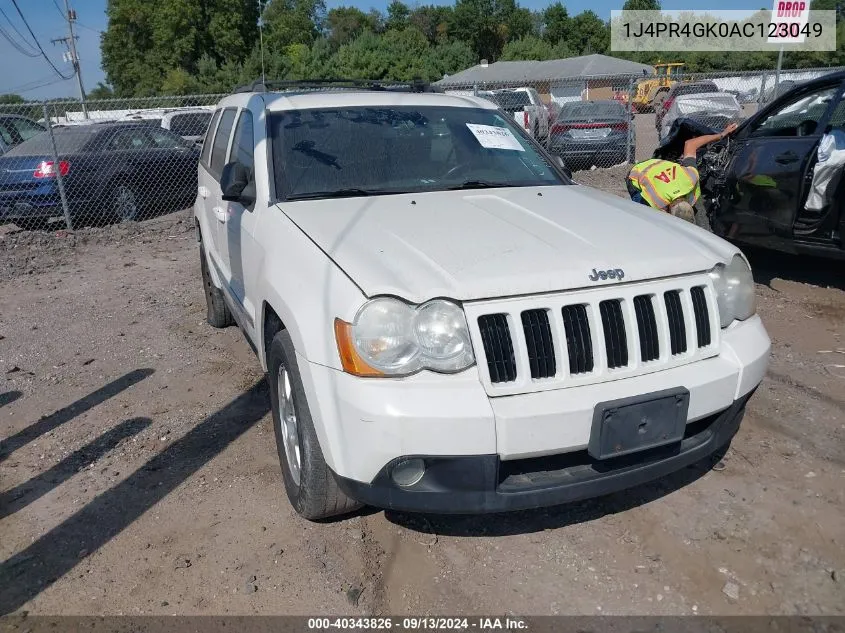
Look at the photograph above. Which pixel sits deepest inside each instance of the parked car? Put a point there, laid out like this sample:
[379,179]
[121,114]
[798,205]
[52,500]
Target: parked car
[15,129]
[745,96]
[681,88]
[755,183]
[110,171]
[589,133]
[449,323]
[525,105]
[714,109]
[189,123]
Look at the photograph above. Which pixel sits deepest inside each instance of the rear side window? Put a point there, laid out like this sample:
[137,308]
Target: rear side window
[243,144]
[26,128]
[192,124]
[221,140]
[209,134]
[166,140]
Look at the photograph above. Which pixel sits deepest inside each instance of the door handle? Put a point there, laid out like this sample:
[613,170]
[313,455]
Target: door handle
[786,158]
[221,214]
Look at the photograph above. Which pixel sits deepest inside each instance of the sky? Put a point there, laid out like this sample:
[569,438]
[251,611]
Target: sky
[33,78]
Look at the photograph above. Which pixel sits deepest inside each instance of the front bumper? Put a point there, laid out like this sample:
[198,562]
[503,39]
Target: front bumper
[485,483]
[472,440]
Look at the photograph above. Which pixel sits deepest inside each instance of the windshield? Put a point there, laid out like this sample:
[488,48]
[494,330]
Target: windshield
[369,151]
[592,111]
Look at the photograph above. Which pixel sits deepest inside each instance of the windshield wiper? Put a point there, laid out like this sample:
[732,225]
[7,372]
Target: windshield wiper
[479,184]
[351,192]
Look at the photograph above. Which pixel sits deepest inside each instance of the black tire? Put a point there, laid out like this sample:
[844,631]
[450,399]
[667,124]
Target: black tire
[313,491]
[124,202]
[218,314]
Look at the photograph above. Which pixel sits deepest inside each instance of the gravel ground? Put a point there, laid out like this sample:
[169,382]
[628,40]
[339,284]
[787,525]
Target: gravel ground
[139,474]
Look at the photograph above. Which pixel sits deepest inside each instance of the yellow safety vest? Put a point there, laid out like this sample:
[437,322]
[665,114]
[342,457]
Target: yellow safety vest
[661,182]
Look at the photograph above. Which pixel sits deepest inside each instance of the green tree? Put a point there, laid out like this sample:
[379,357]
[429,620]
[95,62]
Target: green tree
[432,21]
[11,99]
[589,34]
[487,25]
[556,23]
[641,5]
[528,48]
[344,24]
[289,22]
[147,39]
[101,91]
[449,57]
[397,15]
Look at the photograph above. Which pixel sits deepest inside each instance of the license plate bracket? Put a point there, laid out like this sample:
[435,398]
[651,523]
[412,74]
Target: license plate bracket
[638,423]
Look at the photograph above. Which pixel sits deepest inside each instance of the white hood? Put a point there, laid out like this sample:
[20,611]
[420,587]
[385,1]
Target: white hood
[490,243]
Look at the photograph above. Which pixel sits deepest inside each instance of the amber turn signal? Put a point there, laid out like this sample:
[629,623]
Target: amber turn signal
[350,360]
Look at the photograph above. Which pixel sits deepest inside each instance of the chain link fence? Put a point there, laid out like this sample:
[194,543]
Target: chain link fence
[109,161]
[603,121]
[62,164]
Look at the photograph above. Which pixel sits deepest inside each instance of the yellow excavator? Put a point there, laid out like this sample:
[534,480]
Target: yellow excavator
[652,91]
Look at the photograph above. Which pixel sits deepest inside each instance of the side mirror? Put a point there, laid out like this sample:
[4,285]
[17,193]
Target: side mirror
[563,166]
[236,184]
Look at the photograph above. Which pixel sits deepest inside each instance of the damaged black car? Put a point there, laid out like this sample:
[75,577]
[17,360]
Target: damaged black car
[778,181]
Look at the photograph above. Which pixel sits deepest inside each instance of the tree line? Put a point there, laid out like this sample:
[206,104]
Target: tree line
[180,47]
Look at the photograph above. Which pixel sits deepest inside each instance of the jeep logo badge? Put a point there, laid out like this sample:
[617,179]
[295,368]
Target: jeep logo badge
[613,273]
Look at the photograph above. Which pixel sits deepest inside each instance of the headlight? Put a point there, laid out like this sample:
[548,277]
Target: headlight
[391,338]
[734,286]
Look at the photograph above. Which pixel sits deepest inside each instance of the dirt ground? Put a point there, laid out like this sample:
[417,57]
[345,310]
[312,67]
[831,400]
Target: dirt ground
[139,473]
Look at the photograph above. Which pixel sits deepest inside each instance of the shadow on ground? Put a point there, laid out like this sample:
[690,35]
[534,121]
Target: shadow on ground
[29,572]
[769,265]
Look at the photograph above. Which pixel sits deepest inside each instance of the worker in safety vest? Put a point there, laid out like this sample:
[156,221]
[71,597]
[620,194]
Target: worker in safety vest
[670,186]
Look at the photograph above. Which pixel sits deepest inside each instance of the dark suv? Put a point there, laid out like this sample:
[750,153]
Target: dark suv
[698,87]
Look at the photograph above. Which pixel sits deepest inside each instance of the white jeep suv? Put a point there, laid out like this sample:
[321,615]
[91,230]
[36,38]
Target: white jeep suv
[448,322]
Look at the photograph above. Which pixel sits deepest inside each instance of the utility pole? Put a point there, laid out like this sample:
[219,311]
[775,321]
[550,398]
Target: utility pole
[70,42]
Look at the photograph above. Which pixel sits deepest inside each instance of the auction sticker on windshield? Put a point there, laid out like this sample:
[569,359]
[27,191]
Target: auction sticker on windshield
[493,137]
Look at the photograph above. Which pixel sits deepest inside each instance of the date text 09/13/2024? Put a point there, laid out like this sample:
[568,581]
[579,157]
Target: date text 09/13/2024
[478,623]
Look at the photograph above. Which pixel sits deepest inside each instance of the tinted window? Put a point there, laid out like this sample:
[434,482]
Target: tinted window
[509,98]
[209,134]
[576,110]
[221,139]
[243,144]
[837,119]
[166,140]
[798,117]
[68,140]
[192,124]
[26,128]
[401,149]
[131,139]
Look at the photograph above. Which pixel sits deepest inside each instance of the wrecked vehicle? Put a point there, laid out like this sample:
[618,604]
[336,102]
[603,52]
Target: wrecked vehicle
[450,324]
[756,183]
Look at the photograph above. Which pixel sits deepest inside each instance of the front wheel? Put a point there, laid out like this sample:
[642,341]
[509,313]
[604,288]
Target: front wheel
[309,483]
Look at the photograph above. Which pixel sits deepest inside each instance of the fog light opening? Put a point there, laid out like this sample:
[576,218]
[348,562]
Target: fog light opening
[408,472]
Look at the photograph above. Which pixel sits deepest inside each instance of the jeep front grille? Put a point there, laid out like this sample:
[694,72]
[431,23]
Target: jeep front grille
[498,347]
[615,331]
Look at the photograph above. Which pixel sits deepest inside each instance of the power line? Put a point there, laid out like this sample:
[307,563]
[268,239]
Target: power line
[32,53]
[43,54]
[58,8]
[16,45]
[32,85]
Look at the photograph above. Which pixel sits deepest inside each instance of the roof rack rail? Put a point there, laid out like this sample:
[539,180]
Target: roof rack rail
[415,85]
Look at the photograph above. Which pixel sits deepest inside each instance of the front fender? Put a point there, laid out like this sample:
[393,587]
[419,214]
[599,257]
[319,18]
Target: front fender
[305,288]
